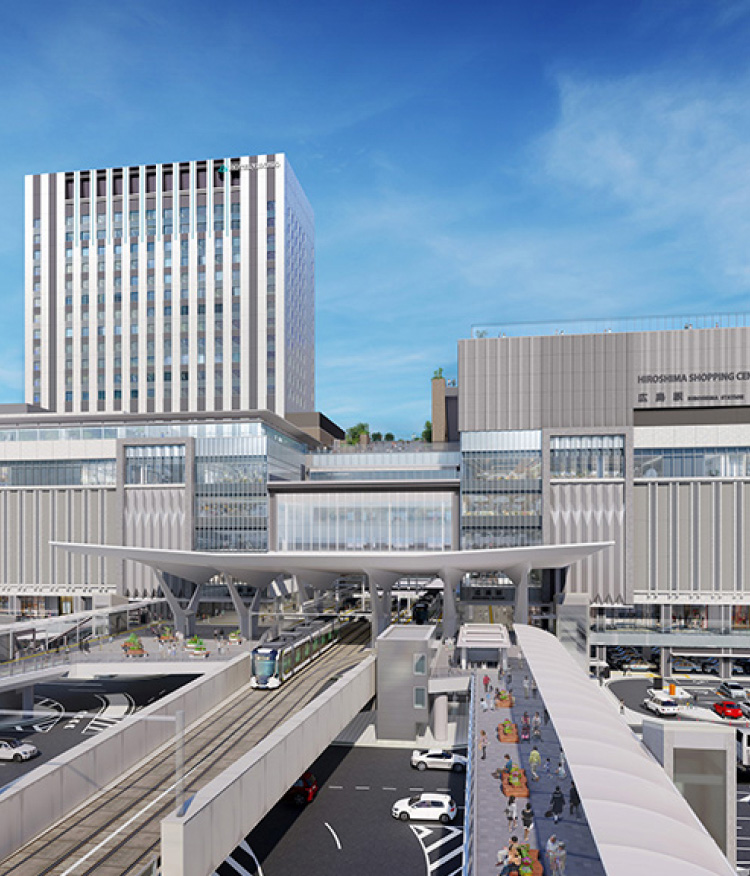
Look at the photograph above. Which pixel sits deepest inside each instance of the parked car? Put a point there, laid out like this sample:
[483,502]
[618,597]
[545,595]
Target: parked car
[438,759]
[425,807]
[733,690]
[638,664]
[14,749]
[303,790]
[727,709]
[682,664]
[710,664]
[661,702]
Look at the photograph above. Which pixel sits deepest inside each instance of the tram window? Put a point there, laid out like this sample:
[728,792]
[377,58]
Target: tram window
[287,661]
[307,649]
[298,654]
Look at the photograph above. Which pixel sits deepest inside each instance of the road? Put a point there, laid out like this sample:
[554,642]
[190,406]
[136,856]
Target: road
[93,705]
[349,829]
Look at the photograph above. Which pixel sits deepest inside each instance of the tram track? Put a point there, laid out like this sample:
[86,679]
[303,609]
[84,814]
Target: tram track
[79,846]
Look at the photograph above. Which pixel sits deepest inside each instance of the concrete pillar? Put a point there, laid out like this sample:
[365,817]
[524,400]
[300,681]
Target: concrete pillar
[725,667]
[519,575]
[247,614]
[381,605]
[27,701]
[184,618]
[665,662]
[440,718]
[451,578]
[301,596]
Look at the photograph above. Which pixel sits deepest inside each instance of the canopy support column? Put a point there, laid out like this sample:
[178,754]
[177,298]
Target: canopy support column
[184,618]
[381,604]
[519,575]
[451,579]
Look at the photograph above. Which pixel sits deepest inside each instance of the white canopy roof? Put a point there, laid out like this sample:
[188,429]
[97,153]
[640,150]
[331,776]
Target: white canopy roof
[200,566]
[640,821]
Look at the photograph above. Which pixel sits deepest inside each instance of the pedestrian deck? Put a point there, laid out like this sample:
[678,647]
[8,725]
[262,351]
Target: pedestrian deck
[492,832]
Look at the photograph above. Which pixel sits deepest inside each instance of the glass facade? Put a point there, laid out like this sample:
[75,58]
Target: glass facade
[58,473]
[501,491]
[587,456]
[135,430]
[382,521]
[692,462]
[379,465]
[155,464]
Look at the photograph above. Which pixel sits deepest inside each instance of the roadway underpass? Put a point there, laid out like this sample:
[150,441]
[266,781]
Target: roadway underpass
[117,832]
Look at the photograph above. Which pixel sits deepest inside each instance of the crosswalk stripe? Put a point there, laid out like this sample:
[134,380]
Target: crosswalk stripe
[456,851]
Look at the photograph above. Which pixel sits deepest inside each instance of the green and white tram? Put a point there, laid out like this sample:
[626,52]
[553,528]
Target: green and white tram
[277,660]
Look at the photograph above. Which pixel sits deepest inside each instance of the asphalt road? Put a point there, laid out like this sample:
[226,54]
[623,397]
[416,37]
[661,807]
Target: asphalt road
[95,704]
[349,829]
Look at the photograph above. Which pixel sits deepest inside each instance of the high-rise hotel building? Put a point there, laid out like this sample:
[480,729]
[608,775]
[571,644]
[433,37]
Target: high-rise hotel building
[171,287]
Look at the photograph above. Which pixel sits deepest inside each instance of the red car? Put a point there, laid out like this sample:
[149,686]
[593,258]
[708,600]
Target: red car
[303,790]
[728,709]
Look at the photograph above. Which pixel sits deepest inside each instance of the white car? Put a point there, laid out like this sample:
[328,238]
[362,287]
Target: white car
[661,702]
[13,749]
[438,759]
[732,690]
[425,807]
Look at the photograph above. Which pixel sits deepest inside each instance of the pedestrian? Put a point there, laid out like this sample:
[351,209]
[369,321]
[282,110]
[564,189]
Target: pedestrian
[536,726]
[509,679]
[557,804]
[534,689]
[546,717]
[527,820]
[484,702]
[562,858]
[526,686]
[511,813]
[561,772]
[547,767]
[525,730]
[535,761]
[491,699]
[622,707]
[552,850]
[508,764]
[574,798]
[486,682]
[483,744]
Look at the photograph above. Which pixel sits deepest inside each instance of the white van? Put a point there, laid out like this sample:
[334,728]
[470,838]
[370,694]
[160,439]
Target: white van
[661,702]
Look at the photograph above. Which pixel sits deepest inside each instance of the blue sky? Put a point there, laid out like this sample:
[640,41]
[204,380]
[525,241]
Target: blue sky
[501,162]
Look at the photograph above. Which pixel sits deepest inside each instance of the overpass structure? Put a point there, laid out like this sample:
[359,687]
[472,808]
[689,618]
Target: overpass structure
[98,809]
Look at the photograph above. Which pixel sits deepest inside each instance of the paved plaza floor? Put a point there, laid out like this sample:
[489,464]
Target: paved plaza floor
[492,832]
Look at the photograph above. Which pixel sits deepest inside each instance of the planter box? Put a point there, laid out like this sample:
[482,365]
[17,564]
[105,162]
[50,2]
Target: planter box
[507,738]
[521,790]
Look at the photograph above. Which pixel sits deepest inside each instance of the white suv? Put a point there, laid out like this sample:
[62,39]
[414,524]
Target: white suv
[425,807]
[661,702]
[732,690]
[13,749]
[438,759]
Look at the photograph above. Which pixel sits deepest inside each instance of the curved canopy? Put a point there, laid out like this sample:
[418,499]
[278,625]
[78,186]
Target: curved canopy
[200,566]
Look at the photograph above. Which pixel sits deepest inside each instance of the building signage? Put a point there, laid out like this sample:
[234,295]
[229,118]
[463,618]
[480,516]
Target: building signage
[260,165]
[686,387]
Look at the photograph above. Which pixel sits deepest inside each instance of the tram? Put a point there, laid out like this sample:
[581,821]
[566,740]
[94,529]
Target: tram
[427,608]
[277,660]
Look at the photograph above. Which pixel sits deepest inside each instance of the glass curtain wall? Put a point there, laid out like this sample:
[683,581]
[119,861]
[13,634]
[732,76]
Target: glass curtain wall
[501,489]
[587,456]
[692,462]
[382,521]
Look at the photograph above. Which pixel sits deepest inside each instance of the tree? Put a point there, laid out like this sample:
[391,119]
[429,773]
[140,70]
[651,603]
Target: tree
[353,432]
[377,436]
[438,374]
[427,432]
[389,436]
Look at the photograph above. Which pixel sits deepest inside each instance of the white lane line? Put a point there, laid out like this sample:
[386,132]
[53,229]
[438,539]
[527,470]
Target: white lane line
[745,799]
[246,848]
[333,834]
[126,824]
[416,789]
[389,789]
[459,850]
[335,787]
[361,787]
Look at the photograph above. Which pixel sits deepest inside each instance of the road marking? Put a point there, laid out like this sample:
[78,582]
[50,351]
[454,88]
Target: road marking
[336,787]
[361,787]
[333,834]
[745,799]
[389,789]
[416,789]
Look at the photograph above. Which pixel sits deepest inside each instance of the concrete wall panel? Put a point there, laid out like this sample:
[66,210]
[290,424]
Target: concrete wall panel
[52,792]
[196,843]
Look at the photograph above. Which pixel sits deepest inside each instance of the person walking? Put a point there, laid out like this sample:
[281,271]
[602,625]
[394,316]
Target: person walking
[483,743]
[557,804]
[526,686]
[562,858]
[511,813]
[547,767]
[546,717]
[552,849]
[574,799]
[536,726]
[508,764]
[535,761]
[534,689]
[486,682]
[561,772]
[527,820]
